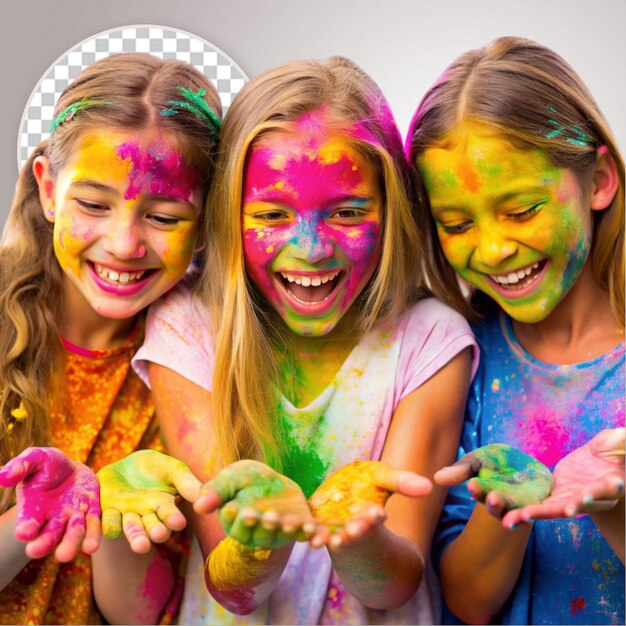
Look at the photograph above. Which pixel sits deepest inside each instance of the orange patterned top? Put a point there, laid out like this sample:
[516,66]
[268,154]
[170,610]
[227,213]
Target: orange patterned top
[109,414]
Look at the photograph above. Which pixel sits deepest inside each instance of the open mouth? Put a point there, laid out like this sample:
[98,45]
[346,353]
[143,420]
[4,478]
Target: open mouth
[116,277]
[310,288]
[519,279]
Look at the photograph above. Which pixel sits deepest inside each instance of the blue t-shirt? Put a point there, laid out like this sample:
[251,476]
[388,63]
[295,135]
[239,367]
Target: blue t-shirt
[569,575]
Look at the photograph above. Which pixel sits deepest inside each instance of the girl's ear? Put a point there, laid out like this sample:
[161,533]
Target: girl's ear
[41,171]
[605,181]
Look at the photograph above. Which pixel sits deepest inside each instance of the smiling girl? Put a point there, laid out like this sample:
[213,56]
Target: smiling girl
[311,349]
[526,191]
[104,221]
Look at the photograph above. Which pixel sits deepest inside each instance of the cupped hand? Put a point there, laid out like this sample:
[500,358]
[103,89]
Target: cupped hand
[138,497]
[587,480]
[257,506]
[58,504]
[501,477]
[351,501]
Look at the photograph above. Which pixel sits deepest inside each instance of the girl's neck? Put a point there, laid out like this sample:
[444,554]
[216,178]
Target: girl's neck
[313,362]
[582,326]
[84,327]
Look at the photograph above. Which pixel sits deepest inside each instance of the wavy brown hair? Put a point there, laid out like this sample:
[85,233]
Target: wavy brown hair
[126,92]
[532,96]
[249,334]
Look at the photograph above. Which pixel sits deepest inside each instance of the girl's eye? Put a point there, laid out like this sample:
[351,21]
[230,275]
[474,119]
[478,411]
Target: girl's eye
[164,220]
[91,206]
[528,213]
[347,213]
[271,216]
[456,229]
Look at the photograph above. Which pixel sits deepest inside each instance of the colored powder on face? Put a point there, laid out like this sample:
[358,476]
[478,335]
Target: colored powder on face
[158,170]
[469,177]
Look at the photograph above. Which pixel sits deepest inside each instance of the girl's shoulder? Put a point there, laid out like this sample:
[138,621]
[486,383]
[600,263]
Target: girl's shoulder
[179,306]
[430,314]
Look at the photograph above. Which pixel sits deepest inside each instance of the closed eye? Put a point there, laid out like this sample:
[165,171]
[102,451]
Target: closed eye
[527,213]
[91,206]
[456,229]
[164,220]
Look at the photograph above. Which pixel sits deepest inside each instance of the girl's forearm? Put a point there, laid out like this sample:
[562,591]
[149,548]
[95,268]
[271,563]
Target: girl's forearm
[241,578]
[13,557]
[479,569]
[131,588]
[382,572]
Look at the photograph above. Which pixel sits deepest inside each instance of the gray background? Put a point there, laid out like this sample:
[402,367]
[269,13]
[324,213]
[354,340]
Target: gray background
[403,44]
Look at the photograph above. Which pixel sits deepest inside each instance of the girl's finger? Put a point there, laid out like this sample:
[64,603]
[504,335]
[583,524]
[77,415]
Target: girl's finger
[47,540]
[135,533]
[401,481]
[208,501]
[240,531]
[270,520]
[357,528]
[496,504]
[28,528]
[263,537]
[321,537]
[466,467]
[156,529]
[93,533]
[72,541]
[187,485]
[306,532]
[111,523]
[171,516]
[477,489]
[228,514]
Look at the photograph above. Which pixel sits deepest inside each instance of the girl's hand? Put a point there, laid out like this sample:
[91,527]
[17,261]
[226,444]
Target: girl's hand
[504,478]
[587,480]
[58,506]
[350,502]
[258,507]
[138,497]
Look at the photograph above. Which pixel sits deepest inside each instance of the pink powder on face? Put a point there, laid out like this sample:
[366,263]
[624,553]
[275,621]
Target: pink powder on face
[310,176]
[158,170]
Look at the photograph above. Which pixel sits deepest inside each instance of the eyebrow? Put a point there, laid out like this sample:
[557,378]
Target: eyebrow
[537,189]
[92,184]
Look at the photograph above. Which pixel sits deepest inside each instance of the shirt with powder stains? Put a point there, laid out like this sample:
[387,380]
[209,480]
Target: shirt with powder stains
[347,422]
[569,575]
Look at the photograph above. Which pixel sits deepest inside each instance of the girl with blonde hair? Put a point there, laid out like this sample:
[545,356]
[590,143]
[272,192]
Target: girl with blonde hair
[525,187]
[311,347]
[104,221]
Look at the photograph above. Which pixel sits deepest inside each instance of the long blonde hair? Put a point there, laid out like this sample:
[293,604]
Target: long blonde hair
[531,95]
[125,92]
[247,330]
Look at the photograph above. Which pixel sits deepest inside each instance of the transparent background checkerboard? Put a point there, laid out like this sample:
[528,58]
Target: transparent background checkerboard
[163,42]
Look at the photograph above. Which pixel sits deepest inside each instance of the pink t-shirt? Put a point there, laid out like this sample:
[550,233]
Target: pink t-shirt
[348,421]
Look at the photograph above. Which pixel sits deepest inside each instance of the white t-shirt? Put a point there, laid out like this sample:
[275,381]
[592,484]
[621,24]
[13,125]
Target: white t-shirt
[347,422]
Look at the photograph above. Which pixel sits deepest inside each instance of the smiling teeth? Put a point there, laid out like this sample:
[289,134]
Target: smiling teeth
[309,281]
[514,277]
[118,277]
